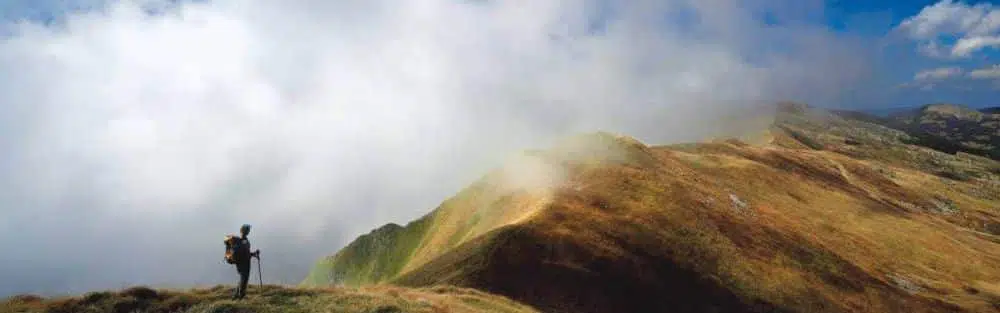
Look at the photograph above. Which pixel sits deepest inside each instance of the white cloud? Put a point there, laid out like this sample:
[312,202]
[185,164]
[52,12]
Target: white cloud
[932,49]
[968,45]
[937,73]
[929,79]
[133,142]
[974,26]
[986,73]
[921,85]
[947,17]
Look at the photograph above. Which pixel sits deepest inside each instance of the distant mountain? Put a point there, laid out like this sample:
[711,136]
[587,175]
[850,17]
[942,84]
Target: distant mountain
[884,112]
[830,214]
[943,127]
[975,131]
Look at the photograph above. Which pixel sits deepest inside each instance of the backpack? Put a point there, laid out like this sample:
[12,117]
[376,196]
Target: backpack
[232,244]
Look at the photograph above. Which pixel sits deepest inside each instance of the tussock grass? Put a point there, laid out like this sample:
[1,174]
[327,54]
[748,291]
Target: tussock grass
[271,299]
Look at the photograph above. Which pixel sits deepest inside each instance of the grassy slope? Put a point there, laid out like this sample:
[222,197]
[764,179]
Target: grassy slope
[272,299]
[371,258]
[839,216]
[388,251]
[492,202]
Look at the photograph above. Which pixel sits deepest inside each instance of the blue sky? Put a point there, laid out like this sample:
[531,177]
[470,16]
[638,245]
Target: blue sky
[875,17]
[901,60]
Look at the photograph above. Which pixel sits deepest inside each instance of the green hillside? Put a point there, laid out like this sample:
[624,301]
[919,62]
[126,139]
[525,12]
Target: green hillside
[371,258]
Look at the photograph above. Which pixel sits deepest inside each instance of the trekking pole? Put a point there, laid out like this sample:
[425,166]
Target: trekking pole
[259,277]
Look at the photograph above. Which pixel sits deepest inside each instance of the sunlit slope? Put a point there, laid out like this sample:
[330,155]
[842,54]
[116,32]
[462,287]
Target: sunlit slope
[832,215]
[509,195]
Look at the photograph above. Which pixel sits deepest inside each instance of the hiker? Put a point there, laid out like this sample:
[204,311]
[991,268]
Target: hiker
[238,253]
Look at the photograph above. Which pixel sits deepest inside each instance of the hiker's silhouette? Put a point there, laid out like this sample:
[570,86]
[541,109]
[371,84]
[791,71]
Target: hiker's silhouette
[238,253]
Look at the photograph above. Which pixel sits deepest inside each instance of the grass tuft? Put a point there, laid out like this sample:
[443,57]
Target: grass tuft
[270,299]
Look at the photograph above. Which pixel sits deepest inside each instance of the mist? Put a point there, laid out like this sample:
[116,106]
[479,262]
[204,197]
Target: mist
[136,134]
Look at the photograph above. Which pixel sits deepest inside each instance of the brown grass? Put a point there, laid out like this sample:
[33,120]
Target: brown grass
[276,299]
[823,232]
[834,217]
[838,232]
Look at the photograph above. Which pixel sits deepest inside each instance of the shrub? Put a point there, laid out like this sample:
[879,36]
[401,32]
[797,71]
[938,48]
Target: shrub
[141,292]
[128,305]
[95,297]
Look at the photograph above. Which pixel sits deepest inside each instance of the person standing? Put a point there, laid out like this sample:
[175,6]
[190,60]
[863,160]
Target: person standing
[241,256]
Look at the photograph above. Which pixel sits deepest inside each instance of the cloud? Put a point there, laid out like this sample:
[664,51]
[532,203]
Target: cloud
[927,80]
[932,49]
[921,85]
[966,46]
[133,141]
[937,73]
[986,73]
[974,27]
[930,79]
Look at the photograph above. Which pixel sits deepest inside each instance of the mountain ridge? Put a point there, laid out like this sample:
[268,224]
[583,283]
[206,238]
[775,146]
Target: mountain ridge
[706,210]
